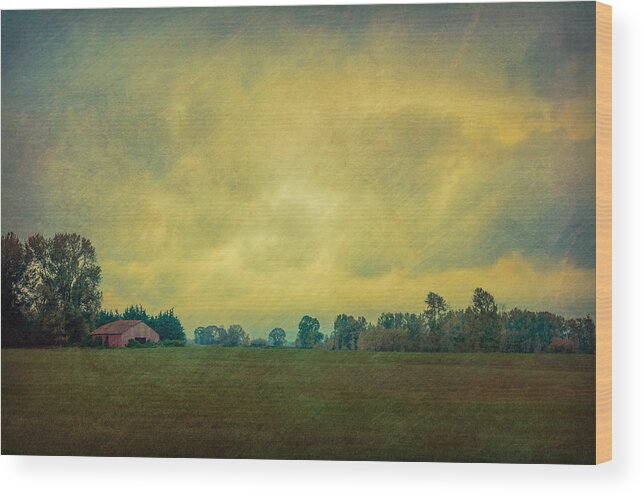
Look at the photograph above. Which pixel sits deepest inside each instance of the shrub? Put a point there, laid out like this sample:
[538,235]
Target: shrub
[381,339]
[258,343]
[132,343]
[560,345]
[169,343]
[91,342]
[327,344]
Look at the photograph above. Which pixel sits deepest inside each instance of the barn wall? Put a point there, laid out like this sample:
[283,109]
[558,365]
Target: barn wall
[141,330]
[113,340]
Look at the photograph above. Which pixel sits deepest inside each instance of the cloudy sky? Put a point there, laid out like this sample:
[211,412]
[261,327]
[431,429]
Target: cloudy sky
[254,165]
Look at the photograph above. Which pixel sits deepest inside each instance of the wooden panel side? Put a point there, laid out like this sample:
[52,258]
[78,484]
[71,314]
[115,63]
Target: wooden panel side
[603,232]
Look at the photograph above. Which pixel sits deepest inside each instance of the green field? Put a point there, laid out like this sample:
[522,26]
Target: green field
[255,403]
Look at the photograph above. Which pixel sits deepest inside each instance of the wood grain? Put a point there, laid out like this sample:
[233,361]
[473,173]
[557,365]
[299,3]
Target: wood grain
[603,232]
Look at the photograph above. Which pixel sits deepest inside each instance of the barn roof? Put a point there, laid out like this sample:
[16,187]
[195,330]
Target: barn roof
[116,327]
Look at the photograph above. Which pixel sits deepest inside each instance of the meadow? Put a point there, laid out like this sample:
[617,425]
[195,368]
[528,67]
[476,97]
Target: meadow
[299,404]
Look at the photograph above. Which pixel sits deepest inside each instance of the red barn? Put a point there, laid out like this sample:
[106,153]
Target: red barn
[119,332]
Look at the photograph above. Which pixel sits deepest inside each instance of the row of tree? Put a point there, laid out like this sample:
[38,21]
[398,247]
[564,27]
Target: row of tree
[481,327]
[165,323]
[235,335]
[50,296]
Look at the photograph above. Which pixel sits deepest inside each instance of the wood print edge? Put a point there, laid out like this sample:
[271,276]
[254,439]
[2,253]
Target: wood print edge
[603,232]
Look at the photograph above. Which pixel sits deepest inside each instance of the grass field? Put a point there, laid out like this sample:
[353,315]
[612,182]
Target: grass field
[254,403]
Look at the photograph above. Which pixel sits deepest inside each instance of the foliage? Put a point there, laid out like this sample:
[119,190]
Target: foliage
[14,265]
[133,343]
[309,334]
[49,288]
[168,326]
[233,336]
[136,312]
[171,343]
[383,339]
[106,317]
[583,333]
[91,342]
[560,345]
[346,331]
[205,335]
[479,328]
[259,343]
[50,296]
[482,322]
[436,306]
[413,323]
[277,337]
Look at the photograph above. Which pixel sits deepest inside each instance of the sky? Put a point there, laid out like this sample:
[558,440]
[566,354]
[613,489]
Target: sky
[254,165]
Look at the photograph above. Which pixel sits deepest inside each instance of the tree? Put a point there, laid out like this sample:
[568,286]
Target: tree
[234,336]
[220,334]
[436,306]
[391,321]
[583,334]
[560,345]
[136,312]
[380,339]
[277,337]
[167,325]
[61,286]
[204,335]
[414,324]
[483,302]
[346,331]
[14,265]
[309,334]
[483,322]
[107,316]
[454,336]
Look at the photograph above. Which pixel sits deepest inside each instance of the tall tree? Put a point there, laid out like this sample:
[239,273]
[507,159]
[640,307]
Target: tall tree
[277,337]
[583,334]
[436,307]
[236,336]
[309,334]
[61,288]
[346,331]
[484,321]
[204,335]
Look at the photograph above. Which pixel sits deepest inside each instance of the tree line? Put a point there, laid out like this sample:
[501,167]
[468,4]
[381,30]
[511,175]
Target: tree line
[481,327]
[235,335]
[51,296]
